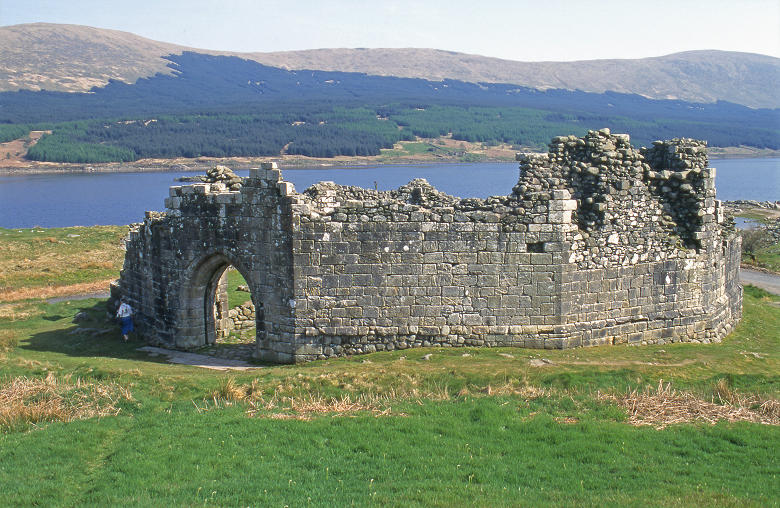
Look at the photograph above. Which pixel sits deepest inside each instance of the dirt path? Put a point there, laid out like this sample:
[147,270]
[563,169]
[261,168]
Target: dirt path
[84,296]
[12,153]
[763,280]
[61,293]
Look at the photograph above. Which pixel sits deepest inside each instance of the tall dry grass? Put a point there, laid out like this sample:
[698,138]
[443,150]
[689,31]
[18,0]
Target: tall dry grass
[26,401]
[9,339]
[297,397]
[664,406]
[308,406]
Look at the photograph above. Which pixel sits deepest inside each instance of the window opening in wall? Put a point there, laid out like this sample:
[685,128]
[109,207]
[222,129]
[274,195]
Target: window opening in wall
[535,247]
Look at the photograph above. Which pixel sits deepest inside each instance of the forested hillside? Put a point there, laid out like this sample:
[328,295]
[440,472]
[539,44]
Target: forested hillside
[226,106]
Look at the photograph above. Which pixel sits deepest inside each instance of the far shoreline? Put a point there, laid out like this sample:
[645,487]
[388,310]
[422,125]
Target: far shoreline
[239,164]
[199,165]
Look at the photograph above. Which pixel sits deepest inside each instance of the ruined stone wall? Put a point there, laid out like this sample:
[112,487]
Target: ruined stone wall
[598,243]
[175,263]
[417,268]
[632,205]
[650,260]
[594,246]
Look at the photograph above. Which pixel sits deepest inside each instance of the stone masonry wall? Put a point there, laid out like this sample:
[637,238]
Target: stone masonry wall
[598,243]
[175,262]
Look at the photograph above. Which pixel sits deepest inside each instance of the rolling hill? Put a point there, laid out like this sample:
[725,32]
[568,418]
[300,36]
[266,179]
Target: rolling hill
[76,58]
[113,96]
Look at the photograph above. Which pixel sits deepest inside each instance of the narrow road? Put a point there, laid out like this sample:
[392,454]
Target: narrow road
[762,280]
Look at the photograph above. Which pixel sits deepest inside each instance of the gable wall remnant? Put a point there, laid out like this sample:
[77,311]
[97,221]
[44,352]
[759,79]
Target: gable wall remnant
[598,243]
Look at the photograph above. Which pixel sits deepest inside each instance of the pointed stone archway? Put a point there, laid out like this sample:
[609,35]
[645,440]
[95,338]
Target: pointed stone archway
[206,291]
[175,262]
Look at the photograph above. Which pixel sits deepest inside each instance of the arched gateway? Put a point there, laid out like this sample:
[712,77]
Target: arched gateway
[597,244]
[205,290]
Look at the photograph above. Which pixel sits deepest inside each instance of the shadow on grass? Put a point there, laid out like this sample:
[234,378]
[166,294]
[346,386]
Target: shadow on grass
[110,345]
[54,318]
[97,336]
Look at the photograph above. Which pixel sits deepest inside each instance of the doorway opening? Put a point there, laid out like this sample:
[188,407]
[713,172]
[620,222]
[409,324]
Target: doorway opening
[231,313]
[236,313]
[232,310]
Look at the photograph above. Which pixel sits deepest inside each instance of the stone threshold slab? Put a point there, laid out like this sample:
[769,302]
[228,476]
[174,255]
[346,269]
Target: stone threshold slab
[197,360]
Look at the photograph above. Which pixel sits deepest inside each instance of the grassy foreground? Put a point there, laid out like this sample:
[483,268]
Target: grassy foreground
[87,420]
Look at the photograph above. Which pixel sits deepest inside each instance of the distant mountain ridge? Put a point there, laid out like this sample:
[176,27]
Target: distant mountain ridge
[75,58]
[694,76]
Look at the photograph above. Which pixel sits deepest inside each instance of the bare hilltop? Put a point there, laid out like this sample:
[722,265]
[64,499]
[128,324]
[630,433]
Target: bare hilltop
[43,56]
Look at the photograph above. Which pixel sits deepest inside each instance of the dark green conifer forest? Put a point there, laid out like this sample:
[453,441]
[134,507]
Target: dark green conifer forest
[228,107]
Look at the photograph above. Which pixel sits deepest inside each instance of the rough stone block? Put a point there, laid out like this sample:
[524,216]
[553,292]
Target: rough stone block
[559,217]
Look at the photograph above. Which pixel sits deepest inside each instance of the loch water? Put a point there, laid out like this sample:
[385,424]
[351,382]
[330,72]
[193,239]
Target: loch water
[88,199]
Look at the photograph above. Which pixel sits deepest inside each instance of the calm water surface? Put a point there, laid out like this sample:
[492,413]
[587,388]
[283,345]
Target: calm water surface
[87,199]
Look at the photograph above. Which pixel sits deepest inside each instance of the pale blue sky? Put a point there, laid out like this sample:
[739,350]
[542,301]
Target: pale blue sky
[541,30]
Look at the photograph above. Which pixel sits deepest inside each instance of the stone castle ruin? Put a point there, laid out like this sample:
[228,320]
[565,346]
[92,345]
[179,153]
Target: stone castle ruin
[598,243]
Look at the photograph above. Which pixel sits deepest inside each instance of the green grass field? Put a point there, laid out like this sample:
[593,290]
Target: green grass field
[465,152]
[35,262]
[87,420]
[766,257]
[236,298]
